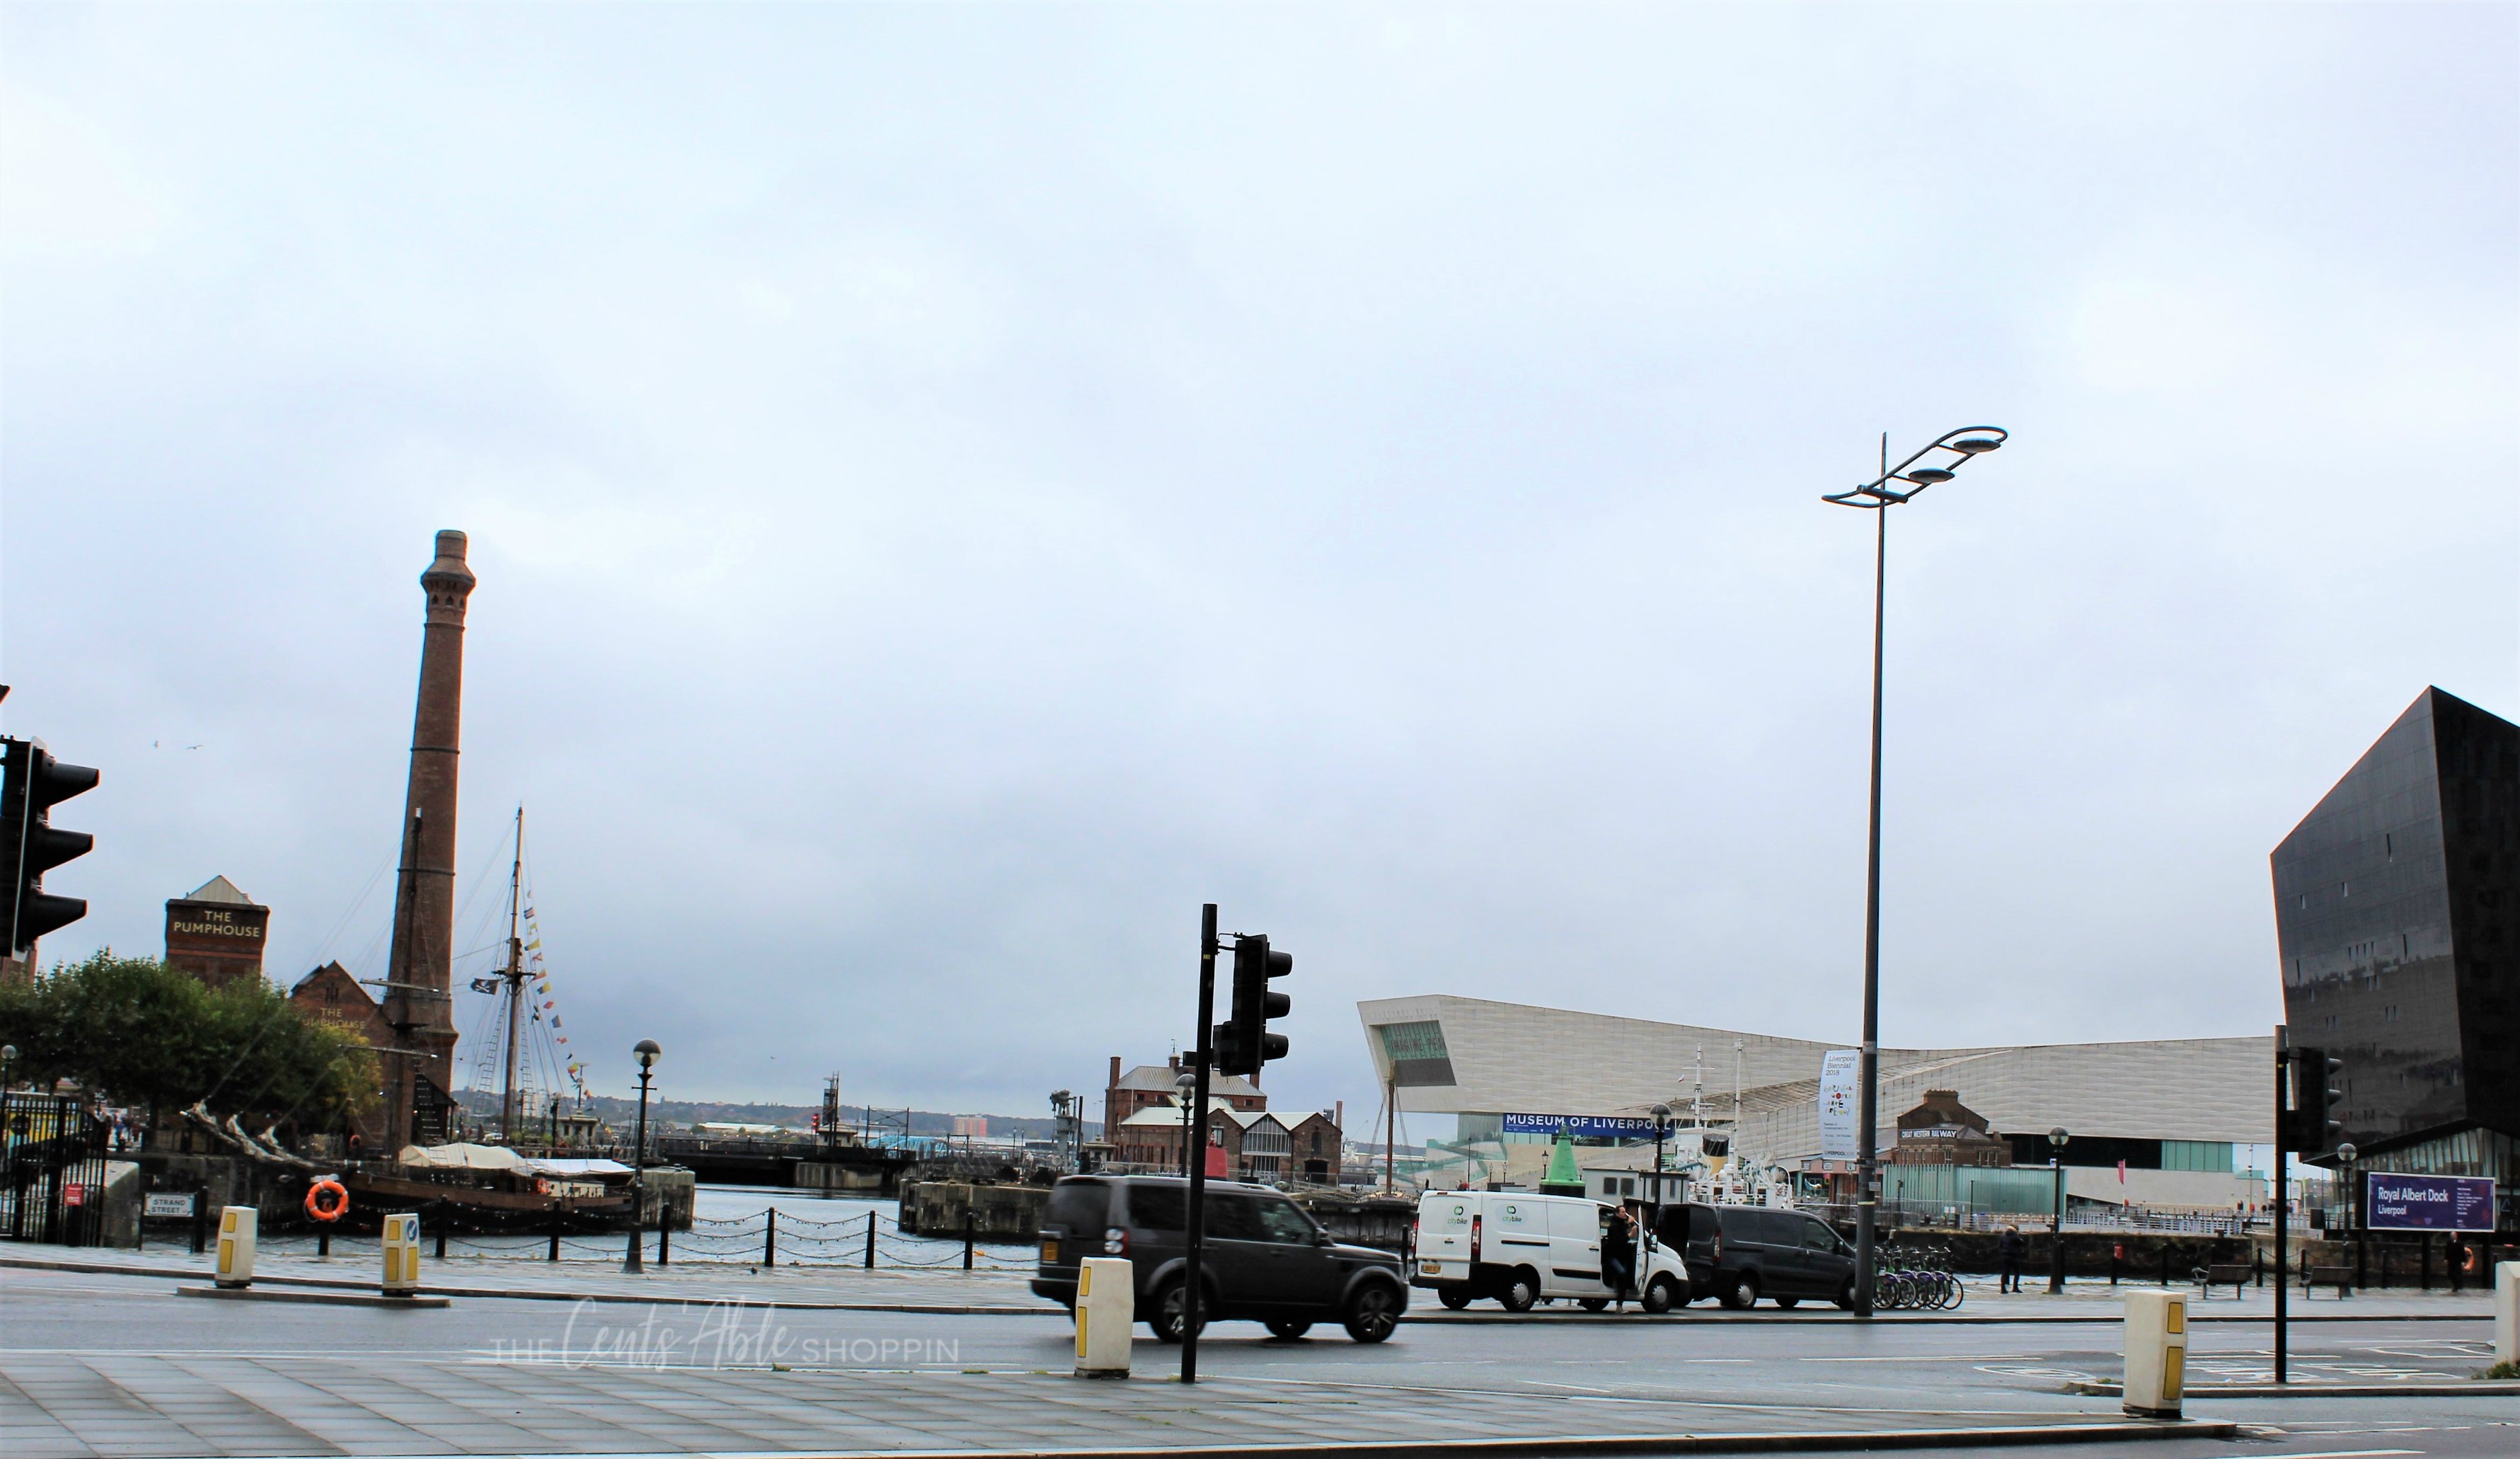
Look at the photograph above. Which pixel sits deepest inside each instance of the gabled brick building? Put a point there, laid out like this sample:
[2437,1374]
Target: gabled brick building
[331,992]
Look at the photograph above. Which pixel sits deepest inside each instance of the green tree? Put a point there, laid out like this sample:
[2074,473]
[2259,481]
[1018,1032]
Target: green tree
[143,1033]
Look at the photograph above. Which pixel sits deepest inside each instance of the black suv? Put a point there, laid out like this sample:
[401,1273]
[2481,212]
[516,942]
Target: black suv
[1744,1252]
[1262,1258]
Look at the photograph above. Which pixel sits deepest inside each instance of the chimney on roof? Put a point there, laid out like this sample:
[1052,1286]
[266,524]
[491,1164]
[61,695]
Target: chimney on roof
[1338,1113]
[1115,1073]
[1175,1062]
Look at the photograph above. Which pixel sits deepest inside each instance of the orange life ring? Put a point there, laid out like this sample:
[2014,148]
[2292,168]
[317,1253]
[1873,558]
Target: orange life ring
[323,1209]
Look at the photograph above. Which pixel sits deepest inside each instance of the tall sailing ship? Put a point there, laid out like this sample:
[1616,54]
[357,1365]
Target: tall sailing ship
[526,1168]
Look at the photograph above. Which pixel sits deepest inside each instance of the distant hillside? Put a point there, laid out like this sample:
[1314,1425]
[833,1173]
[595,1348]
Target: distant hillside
[483,1104]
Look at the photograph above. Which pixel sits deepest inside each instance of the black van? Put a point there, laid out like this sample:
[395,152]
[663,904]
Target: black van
[1744,1252]
[1262,1258]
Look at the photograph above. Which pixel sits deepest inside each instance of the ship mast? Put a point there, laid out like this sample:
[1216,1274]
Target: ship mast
[516,984]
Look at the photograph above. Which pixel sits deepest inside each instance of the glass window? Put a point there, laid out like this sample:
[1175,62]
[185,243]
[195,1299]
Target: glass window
[1233,1217]
[1285,1223]
[1078,1205]
[1156,1207]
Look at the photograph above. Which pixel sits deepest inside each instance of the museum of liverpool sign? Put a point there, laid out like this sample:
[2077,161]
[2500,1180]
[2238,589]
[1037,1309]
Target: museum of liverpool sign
[1582,1126]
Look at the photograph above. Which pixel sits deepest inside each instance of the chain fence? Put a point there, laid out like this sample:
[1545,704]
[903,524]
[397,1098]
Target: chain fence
[766,1238]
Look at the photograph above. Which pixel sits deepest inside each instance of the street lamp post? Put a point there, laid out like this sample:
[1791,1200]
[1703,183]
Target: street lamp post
[646,1051]
[8,1056]
[1662,1123]
[1186,1084]
[1919,471]
[2345,1152]
[1662,1127]
[2057,1139]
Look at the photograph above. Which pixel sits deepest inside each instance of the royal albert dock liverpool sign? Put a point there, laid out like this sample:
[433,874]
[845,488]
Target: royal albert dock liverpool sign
[2427,1203]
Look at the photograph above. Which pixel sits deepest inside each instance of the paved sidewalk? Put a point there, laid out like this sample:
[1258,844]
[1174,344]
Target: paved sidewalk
[953,1292]
[71,1406]
[847,1288]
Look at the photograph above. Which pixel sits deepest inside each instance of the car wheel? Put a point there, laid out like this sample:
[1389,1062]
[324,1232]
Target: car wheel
[1372,1311]
[1521,1291]
[1594,1303]
[1288,1328]
[1846,1296]
[1663,1295]
[1168,1306]
[1786,1303]
[1742,1291]
[1453,1297]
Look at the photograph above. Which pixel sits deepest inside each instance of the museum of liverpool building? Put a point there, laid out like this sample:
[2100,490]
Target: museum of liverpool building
[2397,935]
[2167,1122]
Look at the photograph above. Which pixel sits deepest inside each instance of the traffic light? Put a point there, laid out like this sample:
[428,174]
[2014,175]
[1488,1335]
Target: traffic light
[1243,1042]
[34,784]
[2310,1122]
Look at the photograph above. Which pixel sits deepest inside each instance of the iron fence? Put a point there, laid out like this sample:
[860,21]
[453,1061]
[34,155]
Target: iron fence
[52,1177]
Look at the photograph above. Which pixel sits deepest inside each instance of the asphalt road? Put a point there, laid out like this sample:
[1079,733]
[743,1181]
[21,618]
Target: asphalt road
[1977,1369]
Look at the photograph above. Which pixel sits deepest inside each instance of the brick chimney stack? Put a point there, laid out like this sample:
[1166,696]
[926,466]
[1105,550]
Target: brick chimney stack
[419,1000]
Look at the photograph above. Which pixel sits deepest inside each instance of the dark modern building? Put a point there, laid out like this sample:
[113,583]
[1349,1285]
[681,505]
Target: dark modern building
[2397,917]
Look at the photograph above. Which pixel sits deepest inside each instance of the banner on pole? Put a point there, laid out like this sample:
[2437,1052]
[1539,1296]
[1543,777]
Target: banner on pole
[1840,1070]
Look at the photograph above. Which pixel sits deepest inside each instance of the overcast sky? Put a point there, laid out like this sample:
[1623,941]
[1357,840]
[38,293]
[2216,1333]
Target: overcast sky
[955,488]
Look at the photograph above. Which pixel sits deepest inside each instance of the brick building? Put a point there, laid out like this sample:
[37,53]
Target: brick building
[1943,1131]
[1149,1085]
[331,992]
[217,934]
[1141,1123]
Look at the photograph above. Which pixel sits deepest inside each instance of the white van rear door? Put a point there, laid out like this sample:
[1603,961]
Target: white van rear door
[1444,1233]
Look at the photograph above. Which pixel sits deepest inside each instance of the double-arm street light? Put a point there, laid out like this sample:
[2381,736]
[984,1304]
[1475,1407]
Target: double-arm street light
[1895,487]
[646,1051]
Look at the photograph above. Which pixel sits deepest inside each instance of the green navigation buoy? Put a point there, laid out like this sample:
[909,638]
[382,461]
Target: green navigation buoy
[1562,1179]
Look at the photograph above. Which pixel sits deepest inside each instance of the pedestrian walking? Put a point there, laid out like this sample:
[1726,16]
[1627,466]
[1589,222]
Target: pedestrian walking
[2007,1257]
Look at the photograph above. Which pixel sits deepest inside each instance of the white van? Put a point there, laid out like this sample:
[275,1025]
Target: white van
[1519,1248]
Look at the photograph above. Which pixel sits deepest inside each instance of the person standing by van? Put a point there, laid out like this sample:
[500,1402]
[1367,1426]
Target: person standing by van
[2007,1259]
[1619,1254]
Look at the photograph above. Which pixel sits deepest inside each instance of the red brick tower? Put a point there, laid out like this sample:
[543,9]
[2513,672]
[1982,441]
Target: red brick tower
[419,1000]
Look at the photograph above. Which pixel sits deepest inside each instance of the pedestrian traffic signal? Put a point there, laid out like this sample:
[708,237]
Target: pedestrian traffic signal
[1243,1042]
[2310,1122]
[34,784]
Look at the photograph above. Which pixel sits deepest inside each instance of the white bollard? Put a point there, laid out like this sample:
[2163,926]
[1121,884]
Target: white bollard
[1106,1316]
[2506,1311]
[2156,1353]
[402,1254]
[237,1226]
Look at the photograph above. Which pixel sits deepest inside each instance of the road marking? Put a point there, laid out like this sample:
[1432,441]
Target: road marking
[1923,1357]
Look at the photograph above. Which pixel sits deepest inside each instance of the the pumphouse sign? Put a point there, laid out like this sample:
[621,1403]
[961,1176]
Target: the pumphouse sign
[216,934]
[2428,1203]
